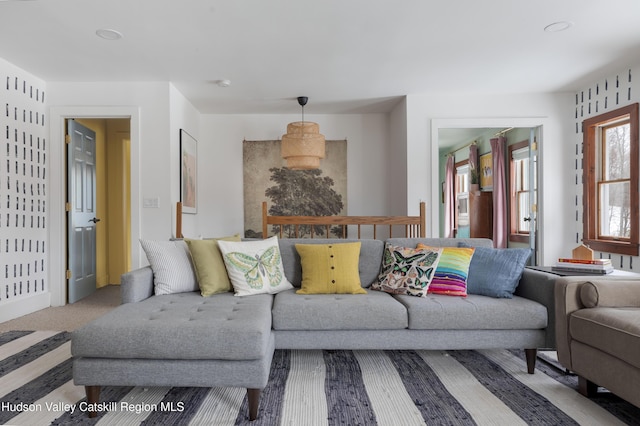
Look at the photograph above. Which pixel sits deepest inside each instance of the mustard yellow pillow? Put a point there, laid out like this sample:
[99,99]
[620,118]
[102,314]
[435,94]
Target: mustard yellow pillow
[330,268]
[209,265]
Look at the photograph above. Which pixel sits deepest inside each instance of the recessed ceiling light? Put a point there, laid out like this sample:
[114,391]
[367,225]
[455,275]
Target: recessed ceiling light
[558,26]
[223,83]
[109,34]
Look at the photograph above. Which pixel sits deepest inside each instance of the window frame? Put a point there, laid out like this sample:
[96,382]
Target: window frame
[591,129]
[514,235]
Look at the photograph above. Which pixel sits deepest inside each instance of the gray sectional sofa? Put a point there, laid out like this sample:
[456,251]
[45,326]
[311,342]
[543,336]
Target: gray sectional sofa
[188,340]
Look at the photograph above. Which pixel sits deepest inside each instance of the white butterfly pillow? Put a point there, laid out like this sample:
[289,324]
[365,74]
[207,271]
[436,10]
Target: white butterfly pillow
[254,267]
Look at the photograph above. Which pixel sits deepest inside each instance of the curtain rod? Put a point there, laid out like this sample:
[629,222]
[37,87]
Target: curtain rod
[502,132]
[461,148]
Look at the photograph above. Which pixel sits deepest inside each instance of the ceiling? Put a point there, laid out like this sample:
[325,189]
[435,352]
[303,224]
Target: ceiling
[353,56]
[450,139]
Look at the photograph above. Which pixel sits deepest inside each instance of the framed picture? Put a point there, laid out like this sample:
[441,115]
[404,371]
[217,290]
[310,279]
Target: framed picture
[265,178]
[486,172]
[188,173]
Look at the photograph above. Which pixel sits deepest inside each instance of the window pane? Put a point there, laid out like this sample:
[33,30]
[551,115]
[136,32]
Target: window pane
[521,175]
[615,213]
[618,146]
[463,210]
[462,179]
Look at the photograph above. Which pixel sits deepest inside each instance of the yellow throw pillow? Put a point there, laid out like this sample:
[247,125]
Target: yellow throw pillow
[210,269]
[330,268]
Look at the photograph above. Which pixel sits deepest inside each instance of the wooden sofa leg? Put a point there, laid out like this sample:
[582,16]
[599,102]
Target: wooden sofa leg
[253,395]
[93,398]
[587,387]
[531,355]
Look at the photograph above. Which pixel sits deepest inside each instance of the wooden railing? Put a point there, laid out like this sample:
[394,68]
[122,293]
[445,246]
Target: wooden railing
[178,219]
[414,226]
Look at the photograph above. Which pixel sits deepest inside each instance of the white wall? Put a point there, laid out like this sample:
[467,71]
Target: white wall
[220,208]
[182,115]
[550,111]
[152,165]
[397,160]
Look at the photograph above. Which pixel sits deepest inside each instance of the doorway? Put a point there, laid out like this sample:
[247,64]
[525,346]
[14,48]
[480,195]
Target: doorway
[57,259]
[453,135]
[112,248]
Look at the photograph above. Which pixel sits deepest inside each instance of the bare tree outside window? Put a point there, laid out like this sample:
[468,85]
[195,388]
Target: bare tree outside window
[615,208]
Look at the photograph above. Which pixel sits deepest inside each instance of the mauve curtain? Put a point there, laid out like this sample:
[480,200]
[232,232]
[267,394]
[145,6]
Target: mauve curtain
[473,158]
[499,192]
[449,197]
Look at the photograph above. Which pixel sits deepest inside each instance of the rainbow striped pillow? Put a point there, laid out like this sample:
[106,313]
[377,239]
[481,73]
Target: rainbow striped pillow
[451,274]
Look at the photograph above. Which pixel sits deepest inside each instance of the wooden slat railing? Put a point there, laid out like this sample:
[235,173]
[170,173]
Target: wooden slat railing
[414,226]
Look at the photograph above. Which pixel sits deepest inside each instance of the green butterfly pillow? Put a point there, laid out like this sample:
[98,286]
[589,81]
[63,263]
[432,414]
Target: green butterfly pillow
[330,268]
[254,267]
[406,270]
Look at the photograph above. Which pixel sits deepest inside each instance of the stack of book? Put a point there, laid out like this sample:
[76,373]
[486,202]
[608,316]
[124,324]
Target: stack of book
[584,266]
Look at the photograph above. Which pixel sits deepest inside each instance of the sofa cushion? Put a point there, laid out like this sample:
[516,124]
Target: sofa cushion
[180,326]
[407,270]
[254,267]
[496,272]
[330,268]
[451,274]
[368,263]
[171,265]
[209,266]
[615,331]
[372,311]
[474,312]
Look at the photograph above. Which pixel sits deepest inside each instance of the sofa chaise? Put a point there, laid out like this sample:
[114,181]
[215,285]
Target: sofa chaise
[185,339]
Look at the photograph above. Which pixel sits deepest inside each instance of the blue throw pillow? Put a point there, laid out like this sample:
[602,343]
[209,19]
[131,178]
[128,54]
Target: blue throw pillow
[496,272]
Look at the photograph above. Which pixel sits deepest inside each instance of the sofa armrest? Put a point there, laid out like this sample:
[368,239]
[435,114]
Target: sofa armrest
[136,285]
[539,286]
[570,294]
[611,293]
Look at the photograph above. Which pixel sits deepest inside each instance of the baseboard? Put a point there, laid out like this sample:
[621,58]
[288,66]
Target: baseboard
[24,306]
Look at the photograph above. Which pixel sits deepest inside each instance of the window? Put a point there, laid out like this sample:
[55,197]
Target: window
[611,181]
[520,187]
[462,194]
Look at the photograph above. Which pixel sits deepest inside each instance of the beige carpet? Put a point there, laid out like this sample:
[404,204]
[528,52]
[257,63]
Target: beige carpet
[68,317]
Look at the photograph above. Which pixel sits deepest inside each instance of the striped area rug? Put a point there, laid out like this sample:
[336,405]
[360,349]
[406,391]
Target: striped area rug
[313,388]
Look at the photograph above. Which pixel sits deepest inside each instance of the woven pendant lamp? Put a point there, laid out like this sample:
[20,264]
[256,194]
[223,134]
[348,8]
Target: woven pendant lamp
[303,145]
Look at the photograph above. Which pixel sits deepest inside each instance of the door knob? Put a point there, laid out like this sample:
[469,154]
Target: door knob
[94,220]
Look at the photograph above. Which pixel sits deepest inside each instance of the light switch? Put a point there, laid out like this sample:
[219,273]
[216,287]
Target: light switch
[151,203]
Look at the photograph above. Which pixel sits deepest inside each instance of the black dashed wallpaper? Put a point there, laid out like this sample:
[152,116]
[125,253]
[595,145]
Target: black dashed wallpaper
[23,187]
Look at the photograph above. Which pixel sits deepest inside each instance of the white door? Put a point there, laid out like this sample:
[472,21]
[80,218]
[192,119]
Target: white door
[81,211]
